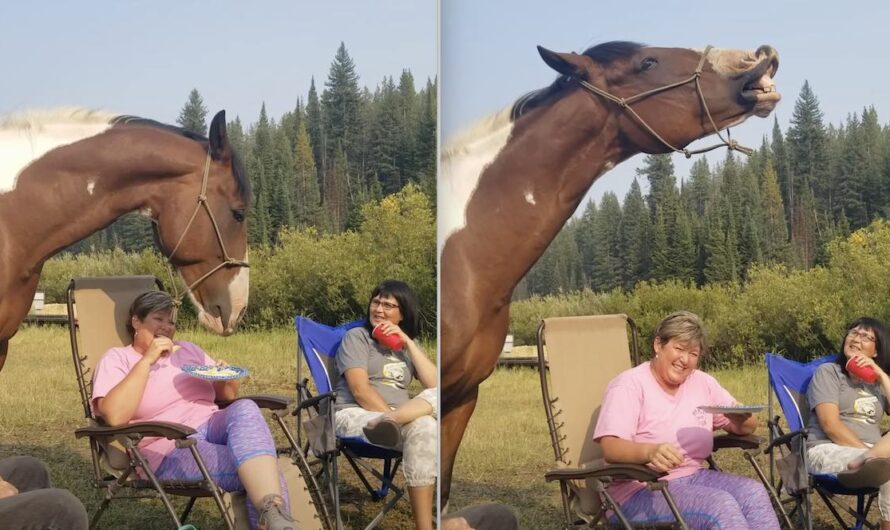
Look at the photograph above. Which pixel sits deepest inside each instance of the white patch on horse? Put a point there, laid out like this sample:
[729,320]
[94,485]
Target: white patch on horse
[462,162]
[27,136]
[607,167]
[728,62]
[146,212]
[530,198]
[91,185]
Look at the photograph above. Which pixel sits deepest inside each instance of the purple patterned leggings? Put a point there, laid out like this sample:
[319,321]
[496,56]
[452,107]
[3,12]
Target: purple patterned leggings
[708,500]
[230,437]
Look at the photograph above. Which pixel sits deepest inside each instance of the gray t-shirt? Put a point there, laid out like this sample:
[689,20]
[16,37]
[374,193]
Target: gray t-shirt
[389,372]
[861,405]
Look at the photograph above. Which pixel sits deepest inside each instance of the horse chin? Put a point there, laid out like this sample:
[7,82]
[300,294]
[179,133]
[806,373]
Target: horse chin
[214,324]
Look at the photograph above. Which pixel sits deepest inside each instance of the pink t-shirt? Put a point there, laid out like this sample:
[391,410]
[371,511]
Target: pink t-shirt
[636,408]
[170,394]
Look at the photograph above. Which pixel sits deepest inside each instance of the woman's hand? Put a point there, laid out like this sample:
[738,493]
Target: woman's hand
[160,347]
[663,457]
[388,328]
[862,360]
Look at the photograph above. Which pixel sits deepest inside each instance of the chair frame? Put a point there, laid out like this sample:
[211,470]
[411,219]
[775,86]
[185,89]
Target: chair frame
[355,450]
[127,485]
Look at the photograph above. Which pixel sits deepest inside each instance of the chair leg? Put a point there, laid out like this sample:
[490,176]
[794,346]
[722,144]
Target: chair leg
[212,485]
[154,482]
[188,509]
[773,494]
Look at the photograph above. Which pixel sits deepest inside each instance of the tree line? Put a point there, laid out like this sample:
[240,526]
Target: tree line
[318,164]
[803,188]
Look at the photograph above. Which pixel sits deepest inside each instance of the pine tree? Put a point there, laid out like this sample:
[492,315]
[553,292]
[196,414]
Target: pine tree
[336,190]
[772,221]
[427,155]
[807,146]
[699,186]
[606,271]
[315,128]
[385,138]
[634,237]
[193,115]
[341,104]
[585,241]
[307,196]
[661,252]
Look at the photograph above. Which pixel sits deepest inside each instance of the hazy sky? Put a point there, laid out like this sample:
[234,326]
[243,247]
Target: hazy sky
[489,56]
[144,58]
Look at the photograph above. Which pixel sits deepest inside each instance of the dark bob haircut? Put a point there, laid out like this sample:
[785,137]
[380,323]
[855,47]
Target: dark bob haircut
[882,343]
[408,305]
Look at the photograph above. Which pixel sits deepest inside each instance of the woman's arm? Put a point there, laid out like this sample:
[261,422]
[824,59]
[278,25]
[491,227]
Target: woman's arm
[423,366]
[829,416]
[225,390]
[662,457]
[121,402]
[360,386]
[741,424]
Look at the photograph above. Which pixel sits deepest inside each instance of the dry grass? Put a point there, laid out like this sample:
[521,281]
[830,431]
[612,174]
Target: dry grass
[507,449]
[40,409]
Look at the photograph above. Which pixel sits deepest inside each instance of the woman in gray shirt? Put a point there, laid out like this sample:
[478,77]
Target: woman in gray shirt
[848,409]
[372,392]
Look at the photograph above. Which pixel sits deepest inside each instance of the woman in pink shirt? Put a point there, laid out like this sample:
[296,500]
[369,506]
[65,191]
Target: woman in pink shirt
[146,383]
[650,415]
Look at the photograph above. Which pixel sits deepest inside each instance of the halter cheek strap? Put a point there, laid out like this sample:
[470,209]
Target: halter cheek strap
[228,261]
[625,103]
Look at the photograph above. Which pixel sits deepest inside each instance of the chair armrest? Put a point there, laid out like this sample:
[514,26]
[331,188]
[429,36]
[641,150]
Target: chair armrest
[727,441]
[614,471]
[313,401]
[164,429]
[263,401]
[785,439]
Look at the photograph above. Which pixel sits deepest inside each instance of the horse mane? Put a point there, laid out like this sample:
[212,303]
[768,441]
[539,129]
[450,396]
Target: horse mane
[37,119]
[603,54]
[237,165]
[476,132]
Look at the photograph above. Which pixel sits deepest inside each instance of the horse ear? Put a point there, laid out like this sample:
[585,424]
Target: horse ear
[570,64]
[219,138]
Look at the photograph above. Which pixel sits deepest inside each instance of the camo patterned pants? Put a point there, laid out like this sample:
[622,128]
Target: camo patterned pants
[419,441]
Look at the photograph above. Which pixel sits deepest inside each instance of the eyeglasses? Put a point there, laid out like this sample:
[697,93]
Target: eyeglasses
[387,306]
[861,335]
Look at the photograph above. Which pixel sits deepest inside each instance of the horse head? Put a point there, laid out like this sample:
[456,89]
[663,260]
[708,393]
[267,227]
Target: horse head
[203,233]
[677,94]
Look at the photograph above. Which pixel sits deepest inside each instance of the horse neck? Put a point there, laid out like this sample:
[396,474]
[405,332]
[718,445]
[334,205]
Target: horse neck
[539,178]
[76,190]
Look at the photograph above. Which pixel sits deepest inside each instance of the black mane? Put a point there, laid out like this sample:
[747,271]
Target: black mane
[237,165]
[603,54]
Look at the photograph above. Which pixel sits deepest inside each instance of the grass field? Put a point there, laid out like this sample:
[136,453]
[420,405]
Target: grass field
[40,409]
[507,449]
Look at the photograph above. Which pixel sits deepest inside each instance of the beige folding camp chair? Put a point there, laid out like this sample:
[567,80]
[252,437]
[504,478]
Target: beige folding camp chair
[585,353]
[97,312]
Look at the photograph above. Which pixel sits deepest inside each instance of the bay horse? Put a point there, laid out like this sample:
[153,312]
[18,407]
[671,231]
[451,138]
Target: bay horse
[66,173]
[509,183]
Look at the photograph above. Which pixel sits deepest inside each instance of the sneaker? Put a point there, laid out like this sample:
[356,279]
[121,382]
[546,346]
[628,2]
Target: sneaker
[273,516]
[386,433]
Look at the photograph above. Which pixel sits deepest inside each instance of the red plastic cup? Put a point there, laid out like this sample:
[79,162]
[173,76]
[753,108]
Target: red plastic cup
[393,341]
[866,373]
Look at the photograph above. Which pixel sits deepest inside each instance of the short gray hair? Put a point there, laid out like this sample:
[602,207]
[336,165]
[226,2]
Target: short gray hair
[147,303]
[684,326]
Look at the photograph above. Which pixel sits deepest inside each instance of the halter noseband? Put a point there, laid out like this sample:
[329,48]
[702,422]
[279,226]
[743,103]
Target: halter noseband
[228,261]
[625,103]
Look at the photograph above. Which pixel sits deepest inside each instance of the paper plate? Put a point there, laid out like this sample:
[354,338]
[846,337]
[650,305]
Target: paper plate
[738,409]
[215,373]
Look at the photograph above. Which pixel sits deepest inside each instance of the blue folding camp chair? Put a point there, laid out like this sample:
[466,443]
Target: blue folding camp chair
[789,381]
[318,344]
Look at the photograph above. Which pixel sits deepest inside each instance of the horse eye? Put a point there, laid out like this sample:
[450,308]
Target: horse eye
[648,63]
[238,215]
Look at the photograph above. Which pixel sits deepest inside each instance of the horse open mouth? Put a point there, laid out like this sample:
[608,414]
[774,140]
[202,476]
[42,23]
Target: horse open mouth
[759,87]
